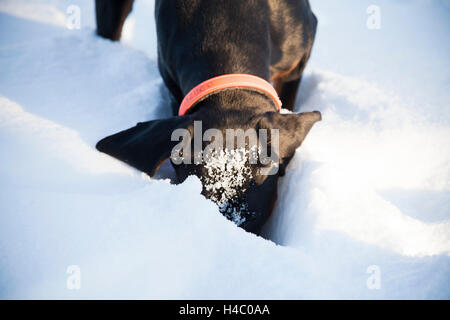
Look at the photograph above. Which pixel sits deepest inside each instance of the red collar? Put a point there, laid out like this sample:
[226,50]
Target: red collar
[226,81]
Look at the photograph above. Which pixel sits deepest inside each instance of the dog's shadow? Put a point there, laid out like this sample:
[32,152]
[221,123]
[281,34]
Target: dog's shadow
[308,85]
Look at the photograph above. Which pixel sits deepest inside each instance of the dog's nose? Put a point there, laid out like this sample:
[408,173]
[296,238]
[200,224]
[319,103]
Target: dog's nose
[236,211]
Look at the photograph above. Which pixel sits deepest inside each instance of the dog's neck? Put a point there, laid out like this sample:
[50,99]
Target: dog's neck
[240,102]
[190,76]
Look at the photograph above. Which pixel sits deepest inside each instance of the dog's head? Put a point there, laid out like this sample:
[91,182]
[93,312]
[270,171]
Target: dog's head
[238,163]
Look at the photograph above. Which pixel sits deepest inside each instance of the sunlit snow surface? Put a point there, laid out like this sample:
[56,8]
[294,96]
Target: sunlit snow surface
[370,185]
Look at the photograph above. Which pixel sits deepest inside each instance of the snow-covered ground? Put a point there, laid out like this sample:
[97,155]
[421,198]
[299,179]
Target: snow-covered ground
[364,210]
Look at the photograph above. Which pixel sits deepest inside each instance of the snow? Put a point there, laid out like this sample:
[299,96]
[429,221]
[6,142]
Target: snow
[369,186]
[227,171]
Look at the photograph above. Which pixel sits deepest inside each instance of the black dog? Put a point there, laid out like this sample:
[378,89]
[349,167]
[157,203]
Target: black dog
[201,39]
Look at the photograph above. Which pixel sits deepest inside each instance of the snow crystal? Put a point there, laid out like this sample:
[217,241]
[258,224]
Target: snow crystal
[228,173]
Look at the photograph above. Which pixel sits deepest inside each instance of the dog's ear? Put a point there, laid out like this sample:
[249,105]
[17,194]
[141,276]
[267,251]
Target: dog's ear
[145,146]
[293,129]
